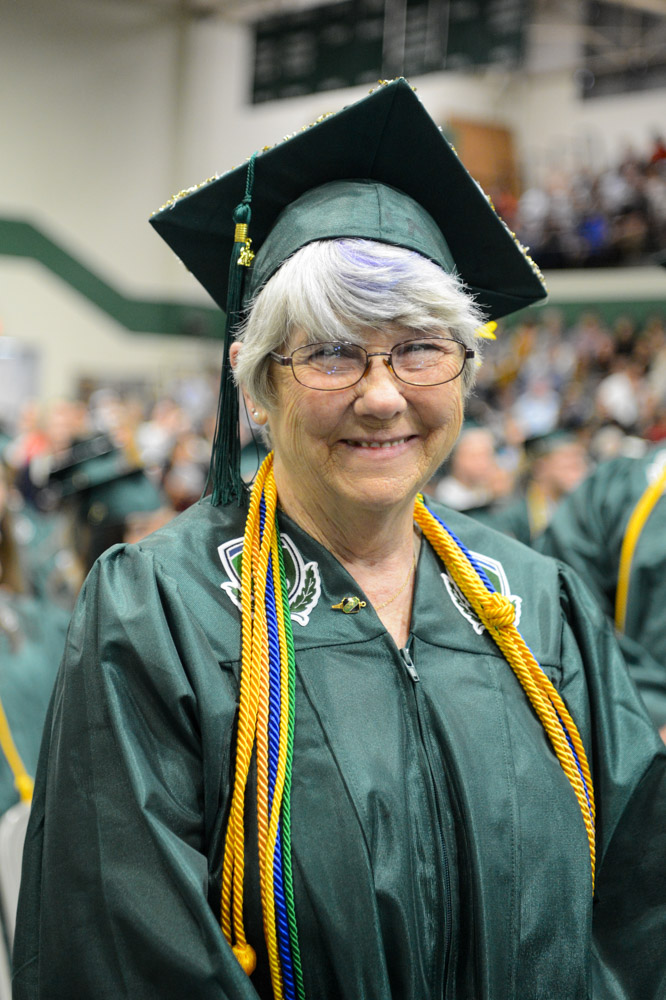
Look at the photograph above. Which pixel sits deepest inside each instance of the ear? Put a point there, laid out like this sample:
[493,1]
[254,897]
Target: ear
[257,412]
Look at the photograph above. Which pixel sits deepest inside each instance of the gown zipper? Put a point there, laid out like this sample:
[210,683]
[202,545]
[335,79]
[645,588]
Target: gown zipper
[409,663]
[406,658]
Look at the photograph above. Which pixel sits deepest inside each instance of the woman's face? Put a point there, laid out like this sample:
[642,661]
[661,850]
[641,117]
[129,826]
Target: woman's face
[374,445]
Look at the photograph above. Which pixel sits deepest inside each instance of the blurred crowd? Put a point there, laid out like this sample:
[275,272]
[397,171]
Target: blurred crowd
[588,218]
[85,474]
[551,402]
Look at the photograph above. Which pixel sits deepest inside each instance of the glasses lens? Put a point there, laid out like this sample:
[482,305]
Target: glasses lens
[428,362]
[329,366]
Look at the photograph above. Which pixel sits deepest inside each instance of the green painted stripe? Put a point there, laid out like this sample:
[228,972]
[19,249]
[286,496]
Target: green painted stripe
[609,311]
[21,239]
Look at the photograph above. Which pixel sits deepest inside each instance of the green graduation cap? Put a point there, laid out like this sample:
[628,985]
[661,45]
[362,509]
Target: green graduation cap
[545,444]
[102,488]
[110,502]
[102,483]
[379,169]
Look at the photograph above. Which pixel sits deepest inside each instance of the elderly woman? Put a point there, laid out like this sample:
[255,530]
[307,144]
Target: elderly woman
[298,745]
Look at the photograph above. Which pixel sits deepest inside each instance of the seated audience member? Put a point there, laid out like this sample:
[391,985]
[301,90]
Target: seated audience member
[474,480]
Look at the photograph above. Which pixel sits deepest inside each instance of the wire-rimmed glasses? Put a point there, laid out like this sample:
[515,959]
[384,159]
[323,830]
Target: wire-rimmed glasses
[339,365]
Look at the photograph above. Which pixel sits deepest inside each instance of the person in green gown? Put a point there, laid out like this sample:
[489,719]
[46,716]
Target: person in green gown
[32,638]
[555,464]
[612,531]
[323,739]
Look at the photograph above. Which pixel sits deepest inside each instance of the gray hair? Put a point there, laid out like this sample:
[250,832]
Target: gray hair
[333,289]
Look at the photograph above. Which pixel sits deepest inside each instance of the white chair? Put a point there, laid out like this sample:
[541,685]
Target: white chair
[13,825]
[5,974]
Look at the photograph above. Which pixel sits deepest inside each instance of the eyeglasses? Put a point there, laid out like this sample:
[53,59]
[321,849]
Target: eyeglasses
[337,365]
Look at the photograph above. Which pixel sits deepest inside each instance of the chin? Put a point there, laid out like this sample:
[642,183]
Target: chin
[379,494]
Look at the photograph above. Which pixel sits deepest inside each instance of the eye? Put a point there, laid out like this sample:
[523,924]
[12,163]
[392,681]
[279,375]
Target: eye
[331,353]
[420,351]
[316,351]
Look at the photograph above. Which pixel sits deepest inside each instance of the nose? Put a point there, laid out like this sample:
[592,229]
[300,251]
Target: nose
[379,391]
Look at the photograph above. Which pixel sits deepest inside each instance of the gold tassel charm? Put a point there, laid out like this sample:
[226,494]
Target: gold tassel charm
[246,255]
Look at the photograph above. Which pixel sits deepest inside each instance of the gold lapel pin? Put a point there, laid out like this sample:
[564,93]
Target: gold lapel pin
[349,605]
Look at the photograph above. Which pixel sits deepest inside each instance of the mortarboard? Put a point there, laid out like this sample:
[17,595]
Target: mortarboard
[544,444]
[103,484]
[378,169]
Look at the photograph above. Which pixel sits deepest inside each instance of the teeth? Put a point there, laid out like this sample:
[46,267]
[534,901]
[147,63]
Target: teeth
[379,444]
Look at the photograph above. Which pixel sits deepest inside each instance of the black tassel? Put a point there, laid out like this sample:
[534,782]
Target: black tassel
[224,473]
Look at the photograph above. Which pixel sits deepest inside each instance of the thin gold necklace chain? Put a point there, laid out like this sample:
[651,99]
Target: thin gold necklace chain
[384,604]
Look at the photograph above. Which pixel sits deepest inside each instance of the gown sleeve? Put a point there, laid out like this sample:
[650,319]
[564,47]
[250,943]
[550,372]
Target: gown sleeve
[628,762]
[118,898]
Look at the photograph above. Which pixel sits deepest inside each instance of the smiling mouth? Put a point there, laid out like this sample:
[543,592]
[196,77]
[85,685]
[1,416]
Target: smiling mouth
[378,444]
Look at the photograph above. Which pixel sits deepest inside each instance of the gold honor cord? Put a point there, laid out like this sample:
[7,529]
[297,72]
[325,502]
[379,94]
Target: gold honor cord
[637,521]
[22,781]
[497,613]
[537,510]
[251,726]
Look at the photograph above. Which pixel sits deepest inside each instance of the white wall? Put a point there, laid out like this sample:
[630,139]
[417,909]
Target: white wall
[108,108]
[556,130]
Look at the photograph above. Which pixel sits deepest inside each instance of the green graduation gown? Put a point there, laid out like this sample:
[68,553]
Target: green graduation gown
[438,849]
[587,533]
[32,638]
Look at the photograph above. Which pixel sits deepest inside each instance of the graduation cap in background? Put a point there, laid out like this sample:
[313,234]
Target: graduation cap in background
[104,489]
[70,469]
[539,445]
[104,486]
[379,169]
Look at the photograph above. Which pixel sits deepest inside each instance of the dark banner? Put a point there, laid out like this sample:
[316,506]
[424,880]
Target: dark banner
[361,41]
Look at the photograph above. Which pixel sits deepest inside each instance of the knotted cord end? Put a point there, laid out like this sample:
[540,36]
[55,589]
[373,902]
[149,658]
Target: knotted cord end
[246,957]
[497,611]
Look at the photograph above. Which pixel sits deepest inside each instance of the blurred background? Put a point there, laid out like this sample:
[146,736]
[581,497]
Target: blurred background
[110,350]
[109,107]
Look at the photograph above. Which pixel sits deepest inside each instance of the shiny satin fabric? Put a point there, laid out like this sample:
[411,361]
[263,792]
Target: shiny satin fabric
[438,849]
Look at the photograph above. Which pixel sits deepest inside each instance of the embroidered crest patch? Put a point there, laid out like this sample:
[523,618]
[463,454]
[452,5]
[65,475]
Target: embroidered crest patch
[303,581]
[656,467]
[495,573]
